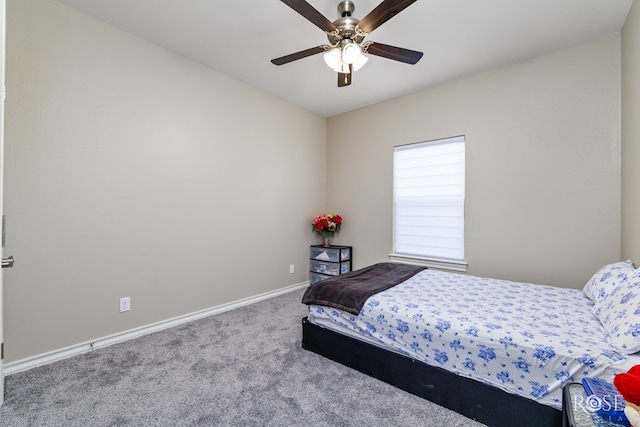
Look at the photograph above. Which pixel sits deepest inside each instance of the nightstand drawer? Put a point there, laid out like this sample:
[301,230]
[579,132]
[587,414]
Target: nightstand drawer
[330,268]
[331,254]
[315,277]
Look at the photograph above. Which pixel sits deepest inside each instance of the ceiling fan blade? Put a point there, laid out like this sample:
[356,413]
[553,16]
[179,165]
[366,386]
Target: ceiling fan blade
[309,12]
[382,13]
[392,52]
[299,55]
[344,79]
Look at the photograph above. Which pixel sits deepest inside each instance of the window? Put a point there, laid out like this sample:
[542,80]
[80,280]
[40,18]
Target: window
[428,200]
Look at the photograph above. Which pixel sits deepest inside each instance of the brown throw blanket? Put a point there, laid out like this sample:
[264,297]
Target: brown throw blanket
[349,291]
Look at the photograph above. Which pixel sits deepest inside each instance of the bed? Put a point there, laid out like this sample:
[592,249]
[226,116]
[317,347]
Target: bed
[493,350]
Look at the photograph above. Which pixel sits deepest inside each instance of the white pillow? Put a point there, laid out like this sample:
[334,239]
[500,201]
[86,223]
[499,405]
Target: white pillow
[605,280]
[619,314]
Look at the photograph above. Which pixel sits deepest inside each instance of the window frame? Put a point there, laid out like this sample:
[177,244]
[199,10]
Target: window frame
[459,265]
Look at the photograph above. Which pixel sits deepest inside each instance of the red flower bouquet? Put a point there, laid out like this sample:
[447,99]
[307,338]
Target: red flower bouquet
[327,224]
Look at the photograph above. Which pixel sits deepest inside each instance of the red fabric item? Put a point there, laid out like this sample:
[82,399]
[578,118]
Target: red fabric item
[628,385]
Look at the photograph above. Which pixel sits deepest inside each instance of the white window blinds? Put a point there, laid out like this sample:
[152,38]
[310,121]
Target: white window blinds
[428,199]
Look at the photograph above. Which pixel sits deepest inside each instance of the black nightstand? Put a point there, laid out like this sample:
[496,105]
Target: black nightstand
[575,412]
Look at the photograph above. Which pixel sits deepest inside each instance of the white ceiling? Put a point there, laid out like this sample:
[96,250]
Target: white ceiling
[458,38]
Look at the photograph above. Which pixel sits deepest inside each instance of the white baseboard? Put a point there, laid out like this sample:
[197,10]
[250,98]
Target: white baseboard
[74,350]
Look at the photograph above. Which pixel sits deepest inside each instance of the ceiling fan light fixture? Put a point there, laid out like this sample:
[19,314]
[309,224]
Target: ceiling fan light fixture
[351,52]
[340,58]
[362,59]
[333,57]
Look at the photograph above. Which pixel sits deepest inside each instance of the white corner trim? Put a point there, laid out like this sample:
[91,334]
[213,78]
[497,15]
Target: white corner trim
[74,350]
[438,264]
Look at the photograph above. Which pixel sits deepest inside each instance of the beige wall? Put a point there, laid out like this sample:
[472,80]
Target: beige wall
[631,135]
[543,165]
[132,171]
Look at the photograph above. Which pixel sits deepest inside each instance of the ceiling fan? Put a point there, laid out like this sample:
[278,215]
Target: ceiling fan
[346,48]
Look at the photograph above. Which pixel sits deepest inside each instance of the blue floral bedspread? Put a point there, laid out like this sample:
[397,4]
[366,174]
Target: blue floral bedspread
[526,339]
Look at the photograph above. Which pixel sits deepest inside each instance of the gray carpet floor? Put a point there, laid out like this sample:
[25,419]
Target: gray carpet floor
[244,367]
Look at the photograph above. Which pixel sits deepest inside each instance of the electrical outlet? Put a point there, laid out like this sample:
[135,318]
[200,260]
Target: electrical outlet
[292,268]
[125,304]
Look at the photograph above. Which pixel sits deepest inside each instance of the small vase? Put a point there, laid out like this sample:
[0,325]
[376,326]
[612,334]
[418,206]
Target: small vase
[326,242]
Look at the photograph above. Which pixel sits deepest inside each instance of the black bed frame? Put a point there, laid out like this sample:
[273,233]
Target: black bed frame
[473,399]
